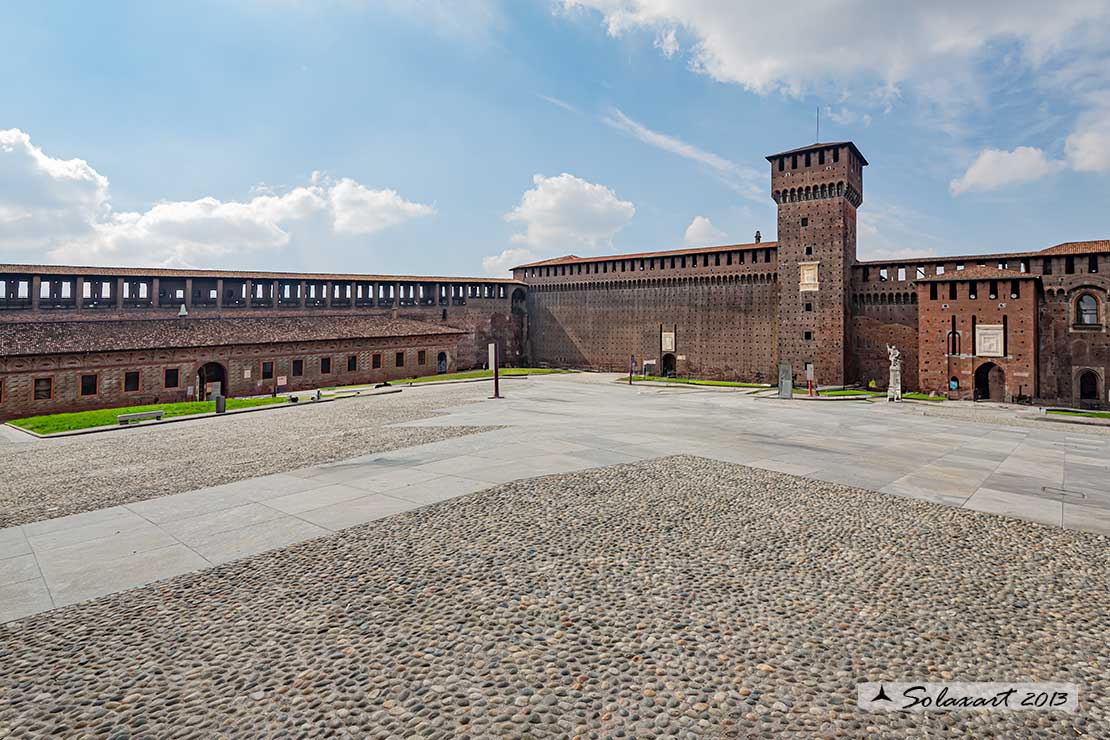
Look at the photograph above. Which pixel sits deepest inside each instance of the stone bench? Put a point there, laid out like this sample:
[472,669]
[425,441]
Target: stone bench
[125,419]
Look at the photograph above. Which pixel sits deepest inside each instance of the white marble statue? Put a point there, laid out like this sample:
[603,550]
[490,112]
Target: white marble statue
[894,386]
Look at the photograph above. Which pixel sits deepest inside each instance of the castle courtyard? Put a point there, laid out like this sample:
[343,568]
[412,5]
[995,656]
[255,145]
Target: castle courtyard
[580,558]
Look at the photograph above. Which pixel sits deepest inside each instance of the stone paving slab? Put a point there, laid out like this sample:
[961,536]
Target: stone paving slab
[562,424]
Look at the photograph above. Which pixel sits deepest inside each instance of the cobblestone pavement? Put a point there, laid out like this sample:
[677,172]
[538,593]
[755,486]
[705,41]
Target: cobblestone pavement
[57,477]
[680,597]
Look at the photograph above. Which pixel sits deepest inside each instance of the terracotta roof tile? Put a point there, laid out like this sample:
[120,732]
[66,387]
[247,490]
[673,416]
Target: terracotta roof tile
[975,272]
[166,272]
[574,259]
[36,338]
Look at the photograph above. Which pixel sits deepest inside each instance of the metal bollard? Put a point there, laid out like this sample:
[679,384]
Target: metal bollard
[221,404]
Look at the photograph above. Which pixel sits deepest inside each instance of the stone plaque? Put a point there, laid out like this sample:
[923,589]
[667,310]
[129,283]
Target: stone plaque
[668,341]
[786,380]
[246,373]
[808,275]
[988,340]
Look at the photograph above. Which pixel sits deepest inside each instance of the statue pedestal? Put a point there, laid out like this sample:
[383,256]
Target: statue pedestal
[894,387]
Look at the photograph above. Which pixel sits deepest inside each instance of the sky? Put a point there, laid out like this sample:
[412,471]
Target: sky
[461,137]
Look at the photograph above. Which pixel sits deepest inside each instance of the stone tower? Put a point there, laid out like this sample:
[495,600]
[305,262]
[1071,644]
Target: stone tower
[818,189]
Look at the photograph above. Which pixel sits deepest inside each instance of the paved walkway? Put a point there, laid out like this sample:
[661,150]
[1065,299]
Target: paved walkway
[1057,475]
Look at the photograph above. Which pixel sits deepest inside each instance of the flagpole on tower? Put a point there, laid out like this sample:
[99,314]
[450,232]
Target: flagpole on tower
[818,139]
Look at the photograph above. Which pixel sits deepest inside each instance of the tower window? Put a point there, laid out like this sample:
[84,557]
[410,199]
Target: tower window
[951,291]
[809,307]
[794,162]
[1069,265]
[807,159]
[1047,266]
[836,155]
[1092,263]
[972,290]
[805,221]
[782,163]
[807,336]
[821,157]
[809,251]
[932,291]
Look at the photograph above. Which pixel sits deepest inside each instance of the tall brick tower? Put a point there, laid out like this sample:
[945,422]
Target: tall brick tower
[818,189]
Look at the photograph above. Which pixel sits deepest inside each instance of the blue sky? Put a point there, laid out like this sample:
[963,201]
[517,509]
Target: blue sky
[460,137]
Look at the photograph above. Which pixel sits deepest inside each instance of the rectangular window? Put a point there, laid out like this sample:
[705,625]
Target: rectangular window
[932,291]
[882,275]
[972,290]
[805,221]
[376,361]
[1046,266]
[352,363]
[809,307]
[901,274]
[421,357]
[298,368]
[952,291]
[920,272]
[171,378]
[399,360]
[131,381]
[1092,263]
[1069,265]
[267,370]
[325,365]
[940,269]
[866,274]
[1015,289]
[807,336]
[89,385]
[44,389]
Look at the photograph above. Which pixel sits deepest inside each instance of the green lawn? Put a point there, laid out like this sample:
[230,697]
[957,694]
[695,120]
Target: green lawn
[53,423]
[1090,414]
[468,375]
[694,381]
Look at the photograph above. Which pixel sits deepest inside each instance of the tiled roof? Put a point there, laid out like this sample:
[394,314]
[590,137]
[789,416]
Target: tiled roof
[166,272]
[575,259]
[1096,246]
[975,272]
[36,338]
[820,145]
[1089,247]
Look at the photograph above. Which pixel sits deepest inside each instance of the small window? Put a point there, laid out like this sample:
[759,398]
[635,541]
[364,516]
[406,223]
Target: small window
[901,274]
[807,335]
[298,368]
[376,361]
[421,357]
[1069,265]
[952,291]
[1046,266]
[44,389]
[808,307]
[1015,289]
[171,378]
[131,381]
[993,289]
[89,385]
[325,365]
[932,291]
[809,251]
[805,221]
[973,290]
[352,363]
[1092,263]
[267,370]
[1086,310]
[940,269]
[399,360]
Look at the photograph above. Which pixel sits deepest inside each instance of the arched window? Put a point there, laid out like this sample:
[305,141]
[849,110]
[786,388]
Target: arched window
[1086,310]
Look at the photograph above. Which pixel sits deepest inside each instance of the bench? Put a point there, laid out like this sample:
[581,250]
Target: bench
[125,419]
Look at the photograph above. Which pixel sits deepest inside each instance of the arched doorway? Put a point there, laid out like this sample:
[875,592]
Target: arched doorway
[668,365]
[990,383]
[1088,386]
[211,372]
[441,363]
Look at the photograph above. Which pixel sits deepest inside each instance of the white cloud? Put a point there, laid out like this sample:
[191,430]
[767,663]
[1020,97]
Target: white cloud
[360,210]
[702,232]
[771,46]
[564,212]
[744,180]
[667,42]
[996,168]
[502,264]
[558,103]
[1088,147]
[62,208]
[561,214]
